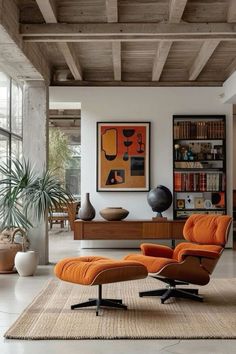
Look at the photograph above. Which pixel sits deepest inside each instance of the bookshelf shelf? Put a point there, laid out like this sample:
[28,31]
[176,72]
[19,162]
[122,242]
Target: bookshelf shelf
[200,160]
[198,191]
[201,209]
[200,139]
[199,165]
[199,169]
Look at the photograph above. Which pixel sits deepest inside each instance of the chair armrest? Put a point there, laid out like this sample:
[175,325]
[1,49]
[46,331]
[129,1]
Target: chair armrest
[150,249]
[197,253]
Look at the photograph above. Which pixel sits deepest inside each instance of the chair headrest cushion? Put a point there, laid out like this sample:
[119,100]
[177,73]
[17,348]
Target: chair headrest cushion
[207,229]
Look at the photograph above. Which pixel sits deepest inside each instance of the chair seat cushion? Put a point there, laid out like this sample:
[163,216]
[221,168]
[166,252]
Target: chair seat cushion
[153,264]
[98,270]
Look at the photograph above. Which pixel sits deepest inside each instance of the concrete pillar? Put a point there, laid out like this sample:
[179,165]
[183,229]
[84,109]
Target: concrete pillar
[35,149]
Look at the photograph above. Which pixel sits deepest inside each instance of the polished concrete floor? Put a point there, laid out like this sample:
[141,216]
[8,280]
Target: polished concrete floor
[17,292]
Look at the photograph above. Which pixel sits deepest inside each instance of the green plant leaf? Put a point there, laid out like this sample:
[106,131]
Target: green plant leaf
[24,194]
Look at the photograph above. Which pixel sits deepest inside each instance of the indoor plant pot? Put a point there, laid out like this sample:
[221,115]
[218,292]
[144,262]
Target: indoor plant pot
[27,197]
[26,263]
[9,248]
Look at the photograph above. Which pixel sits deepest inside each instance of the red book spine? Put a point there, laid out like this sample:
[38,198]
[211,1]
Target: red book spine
[177,181]
[202,181]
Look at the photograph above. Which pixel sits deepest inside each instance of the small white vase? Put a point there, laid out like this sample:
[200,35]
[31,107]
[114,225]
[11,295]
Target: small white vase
[26,263]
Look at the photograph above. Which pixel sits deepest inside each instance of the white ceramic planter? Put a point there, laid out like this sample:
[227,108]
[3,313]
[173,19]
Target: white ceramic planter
[26,263]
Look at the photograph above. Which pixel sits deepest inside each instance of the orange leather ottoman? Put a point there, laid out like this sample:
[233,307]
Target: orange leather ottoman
[99,271]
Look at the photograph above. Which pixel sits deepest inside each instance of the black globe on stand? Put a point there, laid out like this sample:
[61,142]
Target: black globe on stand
[159,199]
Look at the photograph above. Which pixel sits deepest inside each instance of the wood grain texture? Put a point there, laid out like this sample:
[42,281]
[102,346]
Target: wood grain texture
[176,10]
[222,63]
[173,29]
[128,42]
[206,11]
[20,60]
[232,11]
[175,14]
[106,81]
[112,10]
[202,58]
[128,230]
[160,59]
[116,56]
[48,10]
[71,59]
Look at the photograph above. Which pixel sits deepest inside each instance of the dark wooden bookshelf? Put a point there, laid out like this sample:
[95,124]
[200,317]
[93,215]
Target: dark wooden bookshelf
[199,165]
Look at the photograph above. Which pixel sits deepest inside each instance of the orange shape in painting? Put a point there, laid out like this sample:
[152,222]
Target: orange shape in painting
[109,144]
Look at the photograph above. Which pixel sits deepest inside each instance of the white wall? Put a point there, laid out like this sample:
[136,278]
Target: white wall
[156,105]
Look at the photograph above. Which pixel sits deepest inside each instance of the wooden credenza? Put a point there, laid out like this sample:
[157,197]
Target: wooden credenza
[129,230]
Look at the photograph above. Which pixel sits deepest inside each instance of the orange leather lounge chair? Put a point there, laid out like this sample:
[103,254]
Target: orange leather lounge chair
[190,262]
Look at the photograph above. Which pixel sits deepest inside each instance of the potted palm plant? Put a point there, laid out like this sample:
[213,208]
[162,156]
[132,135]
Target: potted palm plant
[26,198]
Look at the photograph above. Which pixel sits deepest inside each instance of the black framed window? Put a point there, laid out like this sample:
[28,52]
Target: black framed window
[11,118]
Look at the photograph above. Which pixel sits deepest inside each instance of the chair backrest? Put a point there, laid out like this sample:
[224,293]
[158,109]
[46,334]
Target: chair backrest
[207,229]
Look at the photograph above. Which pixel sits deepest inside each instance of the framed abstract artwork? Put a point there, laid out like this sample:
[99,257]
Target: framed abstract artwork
[123,156]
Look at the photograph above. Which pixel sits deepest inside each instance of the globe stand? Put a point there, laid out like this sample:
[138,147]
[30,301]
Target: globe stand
[159,218]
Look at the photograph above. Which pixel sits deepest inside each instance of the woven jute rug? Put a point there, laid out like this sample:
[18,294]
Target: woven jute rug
[49,316]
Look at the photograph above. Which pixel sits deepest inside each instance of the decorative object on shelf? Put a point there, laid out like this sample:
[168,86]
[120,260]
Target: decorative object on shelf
[180,203]
[189,201]
[199,170]
[207,204]
[159,199]
[87,211]
[198,202]
[9,246]
[123,156]
[177,147]
[218,199]
[26,263]
[114,213]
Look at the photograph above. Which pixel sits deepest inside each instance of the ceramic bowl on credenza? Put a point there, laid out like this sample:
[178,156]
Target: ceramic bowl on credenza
[114,213]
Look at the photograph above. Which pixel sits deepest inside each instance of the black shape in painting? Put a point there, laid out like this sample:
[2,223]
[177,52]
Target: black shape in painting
[115,177]
[141,145]
[137,166]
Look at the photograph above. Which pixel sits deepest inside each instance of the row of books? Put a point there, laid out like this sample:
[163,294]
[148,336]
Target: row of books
[183,214]
[199,130]
[201,181]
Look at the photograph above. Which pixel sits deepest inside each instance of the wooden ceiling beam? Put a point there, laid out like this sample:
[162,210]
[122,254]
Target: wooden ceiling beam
[176,10]
[71,59]
[162,30]
[22,61]
[231,17]
[160,59]
[131,38]
[49,12]
[175,14]
[112,17]
[138,83]
[230,69]
[116,57]
[202,58]
[112,10]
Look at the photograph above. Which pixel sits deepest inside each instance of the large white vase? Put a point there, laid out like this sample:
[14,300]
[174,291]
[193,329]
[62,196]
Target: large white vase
[26,263]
